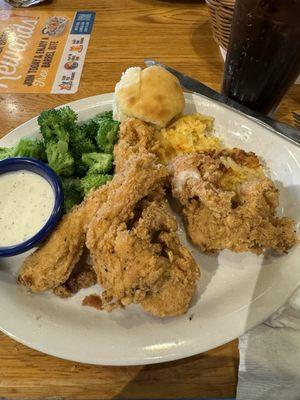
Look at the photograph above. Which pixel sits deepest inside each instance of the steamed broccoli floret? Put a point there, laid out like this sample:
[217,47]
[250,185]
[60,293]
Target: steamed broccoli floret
[98,162]
[29,147]
[107,134]
[59,158]
[57,124]
[78,145]
[91,126]
[89,129]
[92,181]
[104,115]
[6,152]
[73,193]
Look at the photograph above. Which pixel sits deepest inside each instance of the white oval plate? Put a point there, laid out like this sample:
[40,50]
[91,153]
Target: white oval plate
[235,293]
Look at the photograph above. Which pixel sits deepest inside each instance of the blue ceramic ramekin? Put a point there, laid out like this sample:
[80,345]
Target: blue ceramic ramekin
[38,167]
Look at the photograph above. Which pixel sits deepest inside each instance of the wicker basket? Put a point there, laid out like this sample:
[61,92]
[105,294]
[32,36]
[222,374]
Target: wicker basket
[221,12]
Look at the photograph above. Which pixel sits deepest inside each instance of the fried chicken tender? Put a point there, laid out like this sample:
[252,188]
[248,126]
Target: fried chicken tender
[179,281]
[135,137]
[133,242]
[82,276]
[228,202]
[52,263]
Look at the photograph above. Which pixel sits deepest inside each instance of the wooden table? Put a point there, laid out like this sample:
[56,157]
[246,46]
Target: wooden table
[125,32]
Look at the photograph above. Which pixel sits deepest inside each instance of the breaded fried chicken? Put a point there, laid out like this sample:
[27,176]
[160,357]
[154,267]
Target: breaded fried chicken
[178,283]
[52,263]
[135,137]
[82,276]
[133,242]
[228,202]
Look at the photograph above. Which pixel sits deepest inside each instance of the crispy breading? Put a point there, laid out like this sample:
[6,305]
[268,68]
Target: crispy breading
[143,178]
[135,137]
[228,202]
[93,300]
[82,276]
[52,263]
[134,245]
[179,282]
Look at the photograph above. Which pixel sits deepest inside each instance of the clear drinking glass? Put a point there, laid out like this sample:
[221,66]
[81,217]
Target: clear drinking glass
[263,57]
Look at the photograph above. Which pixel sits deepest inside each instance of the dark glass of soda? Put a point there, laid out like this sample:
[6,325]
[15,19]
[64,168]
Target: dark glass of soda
[263,57]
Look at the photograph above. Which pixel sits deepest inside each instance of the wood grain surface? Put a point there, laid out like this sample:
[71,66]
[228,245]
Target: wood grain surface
[177,33]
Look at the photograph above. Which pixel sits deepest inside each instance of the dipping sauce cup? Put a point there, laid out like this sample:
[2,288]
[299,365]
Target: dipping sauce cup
[31,201]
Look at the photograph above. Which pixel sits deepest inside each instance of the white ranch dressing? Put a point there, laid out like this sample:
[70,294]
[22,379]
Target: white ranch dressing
[26,203]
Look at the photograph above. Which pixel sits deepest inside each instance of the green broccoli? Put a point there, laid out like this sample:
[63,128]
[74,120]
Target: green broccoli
[6,152]
[104,115]
[91,126]
[27,147]
[59,158]
[98,162]
[57,124]
[78,145]
[30,147]
[73,194]
[72,150]
[107,134]
[93,181]
[89,129]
